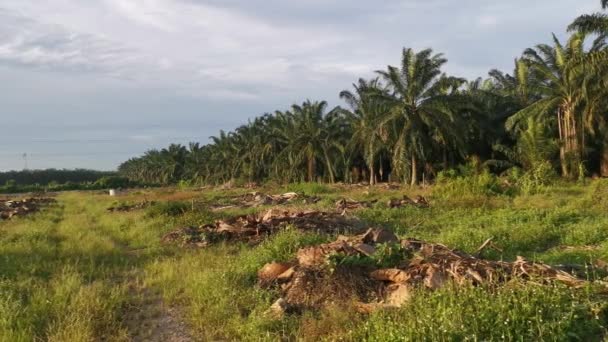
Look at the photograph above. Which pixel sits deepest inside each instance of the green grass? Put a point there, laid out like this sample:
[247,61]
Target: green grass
[67,273]
[64,271]
[513,313]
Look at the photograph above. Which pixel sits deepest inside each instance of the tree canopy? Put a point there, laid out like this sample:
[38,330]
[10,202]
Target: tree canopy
[412,121]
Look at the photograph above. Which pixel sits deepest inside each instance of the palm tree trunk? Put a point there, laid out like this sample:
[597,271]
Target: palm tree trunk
[563,148]
[414,171]
[372,174]
[311,168]
[332,178]
[604,158]
[572,152]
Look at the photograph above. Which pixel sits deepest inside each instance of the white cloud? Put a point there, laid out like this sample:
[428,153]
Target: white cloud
[164,43]
[150,60]
[487,21]
[146,12]
[26,41]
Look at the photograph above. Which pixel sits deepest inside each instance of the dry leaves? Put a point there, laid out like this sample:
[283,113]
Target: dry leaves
[429,266]
[255,228]
[13,208]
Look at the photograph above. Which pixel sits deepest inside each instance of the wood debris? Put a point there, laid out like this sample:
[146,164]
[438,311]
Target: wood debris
[256,199]
[427,266]
[349,204]
[255,228]
[125,207]
[419,202]
[13,208]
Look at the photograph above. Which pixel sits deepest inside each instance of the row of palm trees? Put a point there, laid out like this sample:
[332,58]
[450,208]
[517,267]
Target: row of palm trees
[413,120]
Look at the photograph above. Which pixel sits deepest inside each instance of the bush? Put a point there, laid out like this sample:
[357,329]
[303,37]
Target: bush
[108,182]
[309,188]
[387,255]
[536,179]
[168,209]
[597,195]
[452,183]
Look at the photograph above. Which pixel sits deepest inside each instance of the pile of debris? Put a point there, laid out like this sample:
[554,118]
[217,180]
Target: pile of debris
[256,199]
[125,207]
[390,186]
[255,228]
[310,281]
[13,208]
[349,204]
[419,202]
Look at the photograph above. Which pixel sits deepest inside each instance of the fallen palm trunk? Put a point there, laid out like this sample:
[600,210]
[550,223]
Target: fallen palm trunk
[13,208]
[423,265]
[254,228]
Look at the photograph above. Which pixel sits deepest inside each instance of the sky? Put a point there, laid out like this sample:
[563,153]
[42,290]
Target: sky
[91,83]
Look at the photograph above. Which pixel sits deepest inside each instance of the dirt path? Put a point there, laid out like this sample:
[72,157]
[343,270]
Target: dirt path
[150,319]
[146,316]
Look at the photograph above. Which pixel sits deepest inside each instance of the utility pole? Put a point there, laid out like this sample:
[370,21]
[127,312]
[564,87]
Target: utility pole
[25,161]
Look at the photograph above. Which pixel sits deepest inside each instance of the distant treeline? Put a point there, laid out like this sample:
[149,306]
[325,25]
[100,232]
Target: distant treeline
[61,180]
[45,177]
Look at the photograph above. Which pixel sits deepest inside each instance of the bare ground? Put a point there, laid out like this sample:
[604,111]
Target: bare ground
[150,319]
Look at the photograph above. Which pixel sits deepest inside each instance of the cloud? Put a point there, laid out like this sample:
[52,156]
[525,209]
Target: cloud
[487,21]
[27,42]
[149,13]
[209,64]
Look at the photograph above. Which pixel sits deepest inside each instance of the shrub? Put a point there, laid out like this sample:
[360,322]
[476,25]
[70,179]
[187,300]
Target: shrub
[112,182]
[386,255]
[309,188]
[537,178]
[452,183]
[168,209]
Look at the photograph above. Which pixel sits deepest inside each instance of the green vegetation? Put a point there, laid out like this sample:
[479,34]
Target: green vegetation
[74,272]
[60,180]
[509,157]
[65,271]
[48,176]
[413,122]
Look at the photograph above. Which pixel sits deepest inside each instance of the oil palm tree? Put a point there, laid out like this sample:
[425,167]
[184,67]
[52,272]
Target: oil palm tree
[421,107]
[592,23]
[562,73]
[366,113]
[308,121]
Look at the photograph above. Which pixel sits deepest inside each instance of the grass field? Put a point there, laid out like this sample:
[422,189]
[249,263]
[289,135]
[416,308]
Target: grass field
[75,272]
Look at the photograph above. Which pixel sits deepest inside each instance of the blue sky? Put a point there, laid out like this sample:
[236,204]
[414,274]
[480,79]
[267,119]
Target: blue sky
[90,83]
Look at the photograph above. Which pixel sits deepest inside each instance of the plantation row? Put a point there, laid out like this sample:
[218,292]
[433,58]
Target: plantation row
[413,121]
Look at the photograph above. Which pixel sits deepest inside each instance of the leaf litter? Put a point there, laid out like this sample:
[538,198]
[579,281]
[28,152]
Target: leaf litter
[14,208]
[314,279]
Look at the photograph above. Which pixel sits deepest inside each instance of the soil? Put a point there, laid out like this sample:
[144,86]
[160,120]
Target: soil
[149,319]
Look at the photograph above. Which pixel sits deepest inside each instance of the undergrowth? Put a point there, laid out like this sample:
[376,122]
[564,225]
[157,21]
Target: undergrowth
[65,272]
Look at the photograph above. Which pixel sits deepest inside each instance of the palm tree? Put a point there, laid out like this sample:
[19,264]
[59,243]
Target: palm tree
[305,132]
[561,72]
[595,112]
[367,112]
[222,157]
[421,107]
[591,23]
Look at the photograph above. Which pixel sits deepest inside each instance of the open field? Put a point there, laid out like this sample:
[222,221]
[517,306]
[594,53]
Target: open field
[76,272]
